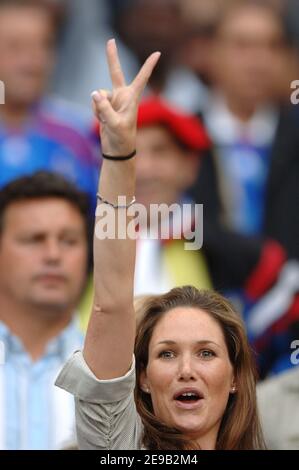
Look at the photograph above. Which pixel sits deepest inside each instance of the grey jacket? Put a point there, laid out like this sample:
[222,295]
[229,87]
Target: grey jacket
[278,401]
[106,416]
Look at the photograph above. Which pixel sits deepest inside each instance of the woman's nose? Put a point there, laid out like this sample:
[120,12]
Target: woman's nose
[186,369]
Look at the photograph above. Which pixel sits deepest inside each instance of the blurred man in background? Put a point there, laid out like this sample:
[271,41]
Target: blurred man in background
[37,131]
[43,265]
[249,186]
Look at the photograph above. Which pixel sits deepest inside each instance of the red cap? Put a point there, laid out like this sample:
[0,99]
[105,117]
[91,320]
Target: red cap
[188,129]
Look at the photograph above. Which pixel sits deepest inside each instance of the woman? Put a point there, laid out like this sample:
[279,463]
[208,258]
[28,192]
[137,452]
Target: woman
[195,386]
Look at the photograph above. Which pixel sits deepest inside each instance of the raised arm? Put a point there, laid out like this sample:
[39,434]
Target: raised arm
[110,337]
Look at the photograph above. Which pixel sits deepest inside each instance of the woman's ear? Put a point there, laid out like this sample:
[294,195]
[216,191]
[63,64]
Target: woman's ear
[143,383]
[233,388]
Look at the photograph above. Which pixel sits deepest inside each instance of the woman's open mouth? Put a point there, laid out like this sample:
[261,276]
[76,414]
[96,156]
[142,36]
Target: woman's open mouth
[188,399]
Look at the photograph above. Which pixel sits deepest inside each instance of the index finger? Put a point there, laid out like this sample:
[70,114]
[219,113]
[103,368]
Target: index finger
[140,81]
[116,73]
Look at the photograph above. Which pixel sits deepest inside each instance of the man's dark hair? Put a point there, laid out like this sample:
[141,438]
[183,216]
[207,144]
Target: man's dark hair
[277,10]
[42,185]
[56,10]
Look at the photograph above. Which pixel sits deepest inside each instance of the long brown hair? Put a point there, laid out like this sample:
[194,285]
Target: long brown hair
[240,427]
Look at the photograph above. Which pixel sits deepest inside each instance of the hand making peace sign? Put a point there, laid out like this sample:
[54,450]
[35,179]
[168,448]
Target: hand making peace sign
[117,110]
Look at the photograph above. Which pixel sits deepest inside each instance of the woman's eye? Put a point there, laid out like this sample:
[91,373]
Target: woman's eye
[166,354]
[206,354]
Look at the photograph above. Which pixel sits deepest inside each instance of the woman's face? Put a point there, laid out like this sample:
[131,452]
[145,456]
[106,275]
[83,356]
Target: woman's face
[189,375]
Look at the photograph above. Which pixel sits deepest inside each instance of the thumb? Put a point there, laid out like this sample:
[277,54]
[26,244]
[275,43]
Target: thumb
[103,109]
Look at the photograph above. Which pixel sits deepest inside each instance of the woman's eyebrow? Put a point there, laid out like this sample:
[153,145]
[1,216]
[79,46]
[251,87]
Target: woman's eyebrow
[167,341]
[200,342]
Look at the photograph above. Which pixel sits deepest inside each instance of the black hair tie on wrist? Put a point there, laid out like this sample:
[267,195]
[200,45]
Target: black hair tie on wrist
[120,157]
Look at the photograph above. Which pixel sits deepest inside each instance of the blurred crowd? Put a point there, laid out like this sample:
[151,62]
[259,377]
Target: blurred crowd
[216,127]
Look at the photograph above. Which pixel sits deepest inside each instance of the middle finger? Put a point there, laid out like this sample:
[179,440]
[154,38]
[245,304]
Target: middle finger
[116,73]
